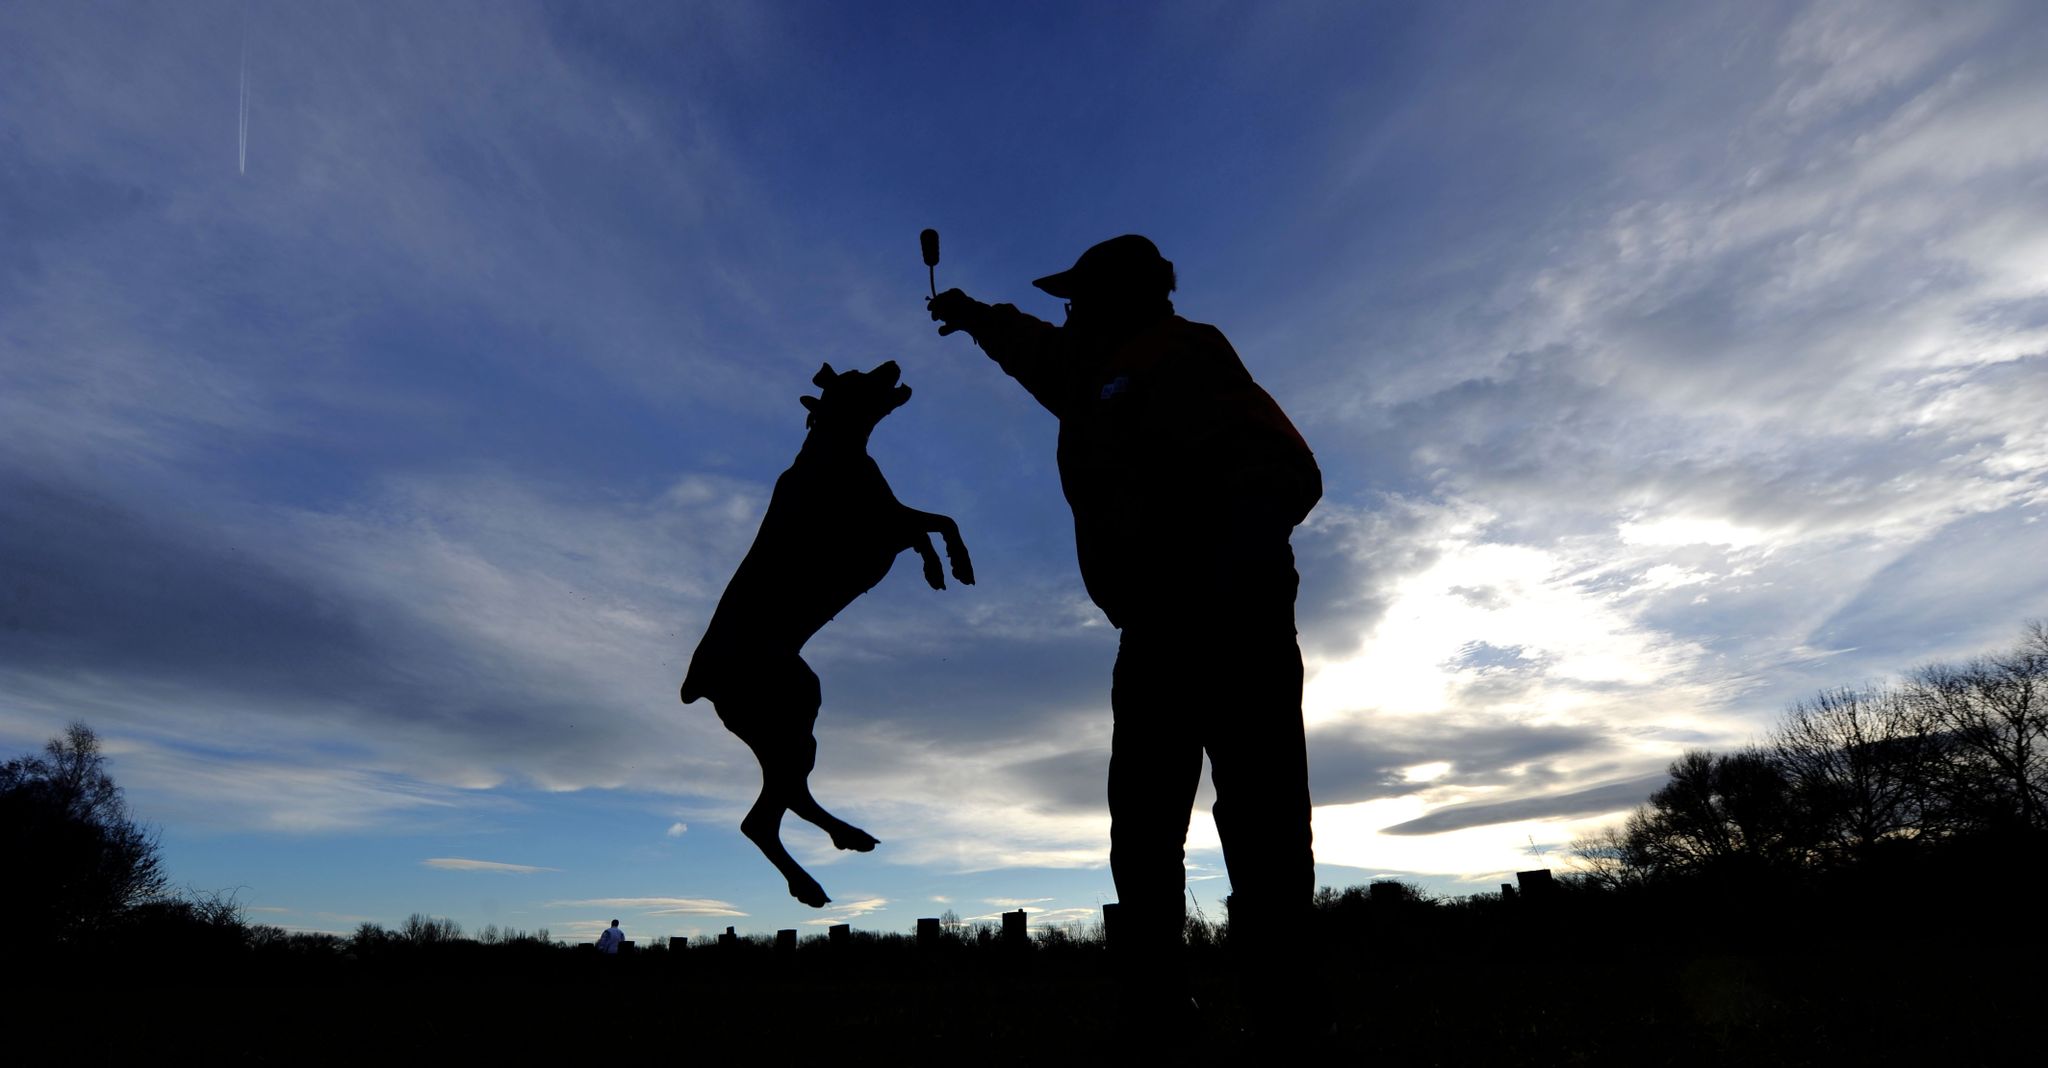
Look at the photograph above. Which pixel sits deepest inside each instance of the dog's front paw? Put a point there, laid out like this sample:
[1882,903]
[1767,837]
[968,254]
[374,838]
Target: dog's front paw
[933,577]
[963,569]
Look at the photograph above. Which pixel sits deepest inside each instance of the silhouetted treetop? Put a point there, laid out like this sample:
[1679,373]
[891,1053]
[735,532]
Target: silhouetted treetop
[78,860]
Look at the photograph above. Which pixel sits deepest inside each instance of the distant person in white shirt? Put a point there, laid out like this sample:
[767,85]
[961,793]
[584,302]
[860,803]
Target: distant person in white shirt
[608,942]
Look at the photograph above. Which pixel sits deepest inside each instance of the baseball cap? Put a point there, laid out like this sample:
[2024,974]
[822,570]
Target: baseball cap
[1122,266]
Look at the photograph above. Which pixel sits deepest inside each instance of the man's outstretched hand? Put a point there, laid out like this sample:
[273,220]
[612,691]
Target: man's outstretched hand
[955,311]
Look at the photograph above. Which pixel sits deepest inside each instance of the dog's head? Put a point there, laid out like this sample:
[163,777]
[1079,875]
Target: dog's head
[854,401]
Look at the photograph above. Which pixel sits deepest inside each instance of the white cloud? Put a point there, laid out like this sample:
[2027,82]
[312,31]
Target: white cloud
[269,791]
[658,906]
[465,864]
[1840,54]
[1350,835]
[1435,769]
[839,912]
[677,829]
[1690,530]
[1586,653]
[1064,917]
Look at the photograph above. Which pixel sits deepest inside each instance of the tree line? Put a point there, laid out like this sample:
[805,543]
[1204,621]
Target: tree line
[1950,756]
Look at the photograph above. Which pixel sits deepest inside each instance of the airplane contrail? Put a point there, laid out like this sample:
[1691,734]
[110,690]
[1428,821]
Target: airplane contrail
[242,123]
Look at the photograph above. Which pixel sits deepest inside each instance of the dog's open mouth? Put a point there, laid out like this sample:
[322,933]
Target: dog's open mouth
[889,373]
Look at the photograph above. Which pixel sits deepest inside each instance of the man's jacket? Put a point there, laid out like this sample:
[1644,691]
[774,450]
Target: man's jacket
[1184,476]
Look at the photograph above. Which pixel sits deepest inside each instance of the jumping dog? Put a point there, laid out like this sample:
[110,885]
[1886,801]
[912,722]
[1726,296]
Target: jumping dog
[832,531]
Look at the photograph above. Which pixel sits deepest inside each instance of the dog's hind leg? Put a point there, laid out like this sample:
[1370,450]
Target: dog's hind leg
[797,794]
[785,765]
[778,730]
[803,756]
[772,711]
[763,826]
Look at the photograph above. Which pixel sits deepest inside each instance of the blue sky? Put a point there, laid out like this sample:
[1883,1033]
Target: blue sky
[367,484]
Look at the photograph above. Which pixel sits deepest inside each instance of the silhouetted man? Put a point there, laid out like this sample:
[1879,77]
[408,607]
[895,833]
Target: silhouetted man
[1186,480]
[608,942]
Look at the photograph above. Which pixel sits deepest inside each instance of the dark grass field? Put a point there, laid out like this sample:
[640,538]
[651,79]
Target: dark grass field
[1692,980]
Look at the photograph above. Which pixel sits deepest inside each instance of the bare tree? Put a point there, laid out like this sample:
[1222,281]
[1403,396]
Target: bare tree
[1608,858]
[1717,811]
[423,930]
[369,936]
[1994,710]
[1860,765]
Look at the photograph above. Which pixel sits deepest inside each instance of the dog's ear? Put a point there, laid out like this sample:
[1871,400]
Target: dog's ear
[824,376]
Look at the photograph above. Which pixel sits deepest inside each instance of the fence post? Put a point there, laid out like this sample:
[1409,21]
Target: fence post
[1537,885]
[1014,931]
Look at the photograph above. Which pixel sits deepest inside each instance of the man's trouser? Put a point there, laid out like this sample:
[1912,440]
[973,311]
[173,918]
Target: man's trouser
[1226,686]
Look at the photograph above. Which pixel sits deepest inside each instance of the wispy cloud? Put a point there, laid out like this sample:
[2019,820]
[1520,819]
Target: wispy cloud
[1594,801]
[465,864]
[1064,917]
[848,911]
[295,928]
[657,906]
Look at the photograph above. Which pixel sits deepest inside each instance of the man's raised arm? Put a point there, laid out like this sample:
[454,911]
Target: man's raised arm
[1026,348]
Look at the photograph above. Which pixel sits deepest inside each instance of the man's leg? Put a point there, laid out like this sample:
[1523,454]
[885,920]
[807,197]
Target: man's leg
[1257,753]
[1155,765]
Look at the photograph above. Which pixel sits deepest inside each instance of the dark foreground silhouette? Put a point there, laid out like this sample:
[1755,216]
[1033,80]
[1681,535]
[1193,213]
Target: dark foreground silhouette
[1918,964]
[833,529]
